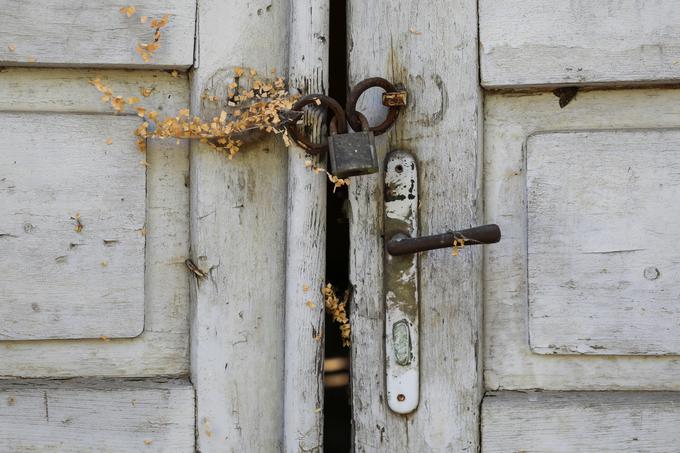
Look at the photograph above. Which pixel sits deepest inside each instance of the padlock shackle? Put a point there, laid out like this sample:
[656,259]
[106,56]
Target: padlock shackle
[322,101]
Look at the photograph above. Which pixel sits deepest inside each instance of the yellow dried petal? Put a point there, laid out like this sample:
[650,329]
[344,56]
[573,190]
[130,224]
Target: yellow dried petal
[128,10]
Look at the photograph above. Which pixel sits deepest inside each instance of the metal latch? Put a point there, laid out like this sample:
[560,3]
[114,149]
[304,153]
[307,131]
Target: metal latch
[402,245]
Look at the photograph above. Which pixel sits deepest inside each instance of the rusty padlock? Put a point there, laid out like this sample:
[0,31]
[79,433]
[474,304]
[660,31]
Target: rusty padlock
[351,154]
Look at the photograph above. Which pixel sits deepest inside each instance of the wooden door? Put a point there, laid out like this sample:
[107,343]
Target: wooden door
[581,297]
[577,347]
[430,47]
[94,295]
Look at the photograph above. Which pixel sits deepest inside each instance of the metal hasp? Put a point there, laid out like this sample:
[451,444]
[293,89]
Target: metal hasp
[405,245]
[401,285]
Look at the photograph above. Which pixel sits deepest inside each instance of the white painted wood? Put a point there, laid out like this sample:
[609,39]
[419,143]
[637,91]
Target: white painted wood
[306,241]
[59,281]
[402,305]
[76,33]
[238,236]
[163,346]
[580,421]
[602,260]
[544,42]
[97,416]
[509,121]
[435,57]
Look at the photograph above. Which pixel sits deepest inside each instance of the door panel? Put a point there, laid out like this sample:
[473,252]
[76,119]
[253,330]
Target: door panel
[59,122]
[74,194]
[540,42]
[431,48]
[603,266]
[97,415]
[581,421]
[574,154]
[77,33]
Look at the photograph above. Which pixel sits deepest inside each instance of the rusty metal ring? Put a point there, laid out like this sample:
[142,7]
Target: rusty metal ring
[354,96]
[317,99]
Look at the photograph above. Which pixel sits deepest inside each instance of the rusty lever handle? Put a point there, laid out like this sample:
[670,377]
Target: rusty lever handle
[484,234]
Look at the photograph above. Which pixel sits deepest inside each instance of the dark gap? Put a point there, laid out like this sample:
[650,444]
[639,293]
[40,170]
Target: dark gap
[337,412]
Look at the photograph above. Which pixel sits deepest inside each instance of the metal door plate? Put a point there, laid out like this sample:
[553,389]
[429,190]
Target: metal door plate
[401,285]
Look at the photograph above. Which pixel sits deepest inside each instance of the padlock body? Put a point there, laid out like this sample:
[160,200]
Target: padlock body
[352,154]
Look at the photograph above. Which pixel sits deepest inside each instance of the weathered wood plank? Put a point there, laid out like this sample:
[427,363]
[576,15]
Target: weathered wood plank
[238,235]
[509,121]
[580,421]
[76,33]
[97,415]
[163,346]
[543,42]
[67,277]
[306,241]
[601,255]
[411,42]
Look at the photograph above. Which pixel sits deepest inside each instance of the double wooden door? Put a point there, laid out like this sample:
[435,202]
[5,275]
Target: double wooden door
[556,120]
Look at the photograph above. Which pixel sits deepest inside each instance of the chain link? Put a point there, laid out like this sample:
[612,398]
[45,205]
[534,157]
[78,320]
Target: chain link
[394,98]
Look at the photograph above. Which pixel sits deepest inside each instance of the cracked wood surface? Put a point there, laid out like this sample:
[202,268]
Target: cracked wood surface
[102,415]
[94,34]
[73,252]
[580,421]
[418,44]
[546,42]
[602,259]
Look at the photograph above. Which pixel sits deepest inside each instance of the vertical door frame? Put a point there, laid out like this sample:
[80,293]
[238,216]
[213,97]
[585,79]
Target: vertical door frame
[258,224]
[238,237]
[306,239]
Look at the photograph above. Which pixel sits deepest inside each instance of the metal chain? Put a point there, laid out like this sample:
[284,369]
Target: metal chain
[393,97]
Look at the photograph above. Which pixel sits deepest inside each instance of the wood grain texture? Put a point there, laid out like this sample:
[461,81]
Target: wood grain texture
[602,260]
[238,229]
[412,42]
[97,415]
[580,421]
[509,121]
[60,281]
[163,346]
[306,240]
[76,33]
[544,42]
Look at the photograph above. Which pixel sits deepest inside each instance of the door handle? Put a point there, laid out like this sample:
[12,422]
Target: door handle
[400,274]
[401,244]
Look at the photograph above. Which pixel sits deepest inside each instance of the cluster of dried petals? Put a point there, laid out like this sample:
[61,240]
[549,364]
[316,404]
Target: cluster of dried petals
[117,102]
[337,182]
[146,50]
[256,109]
[337,309]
